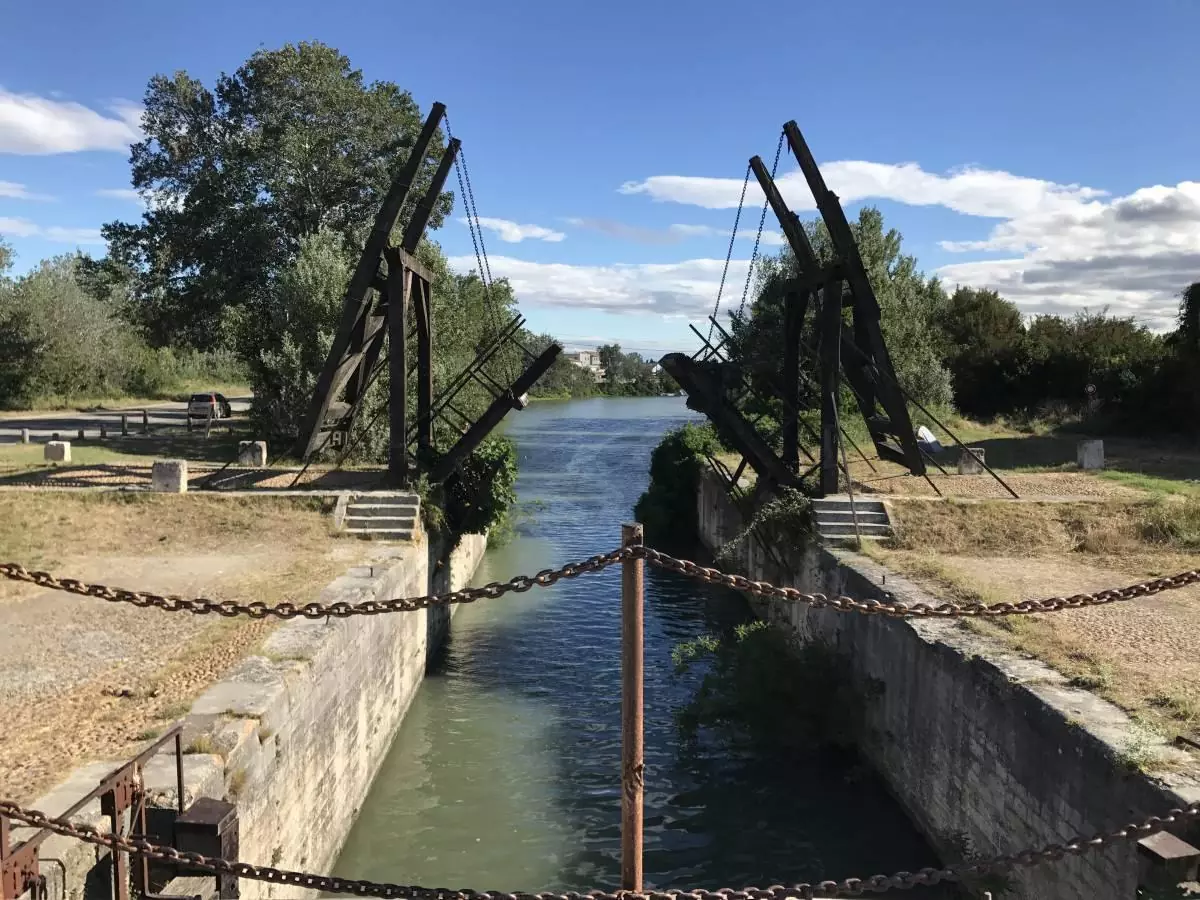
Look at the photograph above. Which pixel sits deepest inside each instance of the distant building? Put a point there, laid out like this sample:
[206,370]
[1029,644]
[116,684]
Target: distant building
[590,360]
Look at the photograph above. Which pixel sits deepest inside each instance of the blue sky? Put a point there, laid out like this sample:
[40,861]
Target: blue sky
[1049,150]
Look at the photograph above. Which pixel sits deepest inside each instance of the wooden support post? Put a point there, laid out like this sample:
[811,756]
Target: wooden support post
[792,319]
[399,283]
[124,425]
[145,422]
[632,766]
[831,367]
[424,313]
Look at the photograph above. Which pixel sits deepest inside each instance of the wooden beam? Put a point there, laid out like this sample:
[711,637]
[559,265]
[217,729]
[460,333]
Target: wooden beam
[788,221]
[493,415]
[420,216]
[793,317]
[831,368]
[399,281]
[423,311]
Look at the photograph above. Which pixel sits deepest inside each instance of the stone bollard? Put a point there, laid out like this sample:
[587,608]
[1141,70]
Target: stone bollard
[57,451]
[970,461]
[124,425]
[169,476]
[24,435]
[252,453]
[1090,454]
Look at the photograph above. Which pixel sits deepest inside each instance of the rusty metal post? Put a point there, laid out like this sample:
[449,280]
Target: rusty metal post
[632,766]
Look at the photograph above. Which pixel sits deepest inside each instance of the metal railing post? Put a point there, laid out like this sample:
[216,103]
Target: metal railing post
[632,765]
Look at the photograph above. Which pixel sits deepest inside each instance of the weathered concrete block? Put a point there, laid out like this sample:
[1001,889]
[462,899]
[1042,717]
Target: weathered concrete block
[970,461]
[169,476]
[252,453]
[1090,454]
[57,451]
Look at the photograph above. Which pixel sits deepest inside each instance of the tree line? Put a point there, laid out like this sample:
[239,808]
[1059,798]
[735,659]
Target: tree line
[973,351]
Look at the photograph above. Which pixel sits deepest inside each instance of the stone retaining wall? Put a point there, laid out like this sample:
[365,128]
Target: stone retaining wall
[975,741]
[294,736]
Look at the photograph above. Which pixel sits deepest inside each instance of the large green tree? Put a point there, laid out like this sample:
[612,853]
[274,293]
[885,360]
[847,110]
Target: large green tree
[911,307]
[6,256]
[985,350]
[237,176]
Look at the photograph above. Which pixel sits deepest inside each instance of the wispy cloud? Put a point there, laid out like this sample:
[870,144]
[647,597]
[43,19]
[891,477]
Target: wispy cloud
[120,194]
[672,234]
[30,124]
[514,233]
[25,229]
[15,191]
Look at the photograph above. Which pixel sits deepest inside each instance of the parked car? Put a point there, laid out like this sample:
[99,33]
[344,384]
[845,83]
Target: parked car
[200,406]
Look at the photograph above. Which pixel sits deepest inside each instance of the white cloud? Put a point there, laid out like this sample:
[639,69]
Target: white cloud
[672,234]
[16,191]
[513,233]
[1068,246]
[25,229]
[120,194]
[30,124]
[977,192]
[1133,254]
[686,288]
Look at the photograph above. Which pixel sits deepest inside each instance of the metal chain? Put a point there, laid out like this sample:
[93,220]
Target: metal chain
[547,577]
[329,884]
[729,253]
[340,610]
[762,221]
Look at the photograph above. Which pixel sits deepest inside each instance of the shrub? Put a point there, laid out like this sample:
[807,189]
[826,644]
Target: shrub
[668,507]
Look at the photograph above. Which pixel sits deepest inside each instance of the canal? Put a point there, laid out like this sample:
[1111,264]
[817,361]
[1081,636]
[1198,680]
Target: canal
[505,773]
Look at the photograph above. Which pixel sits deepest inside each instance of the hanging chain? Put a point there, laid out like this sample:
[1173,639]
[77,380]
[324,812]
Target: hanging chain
[547,577]
[729,254]
[762,221]
[144,849]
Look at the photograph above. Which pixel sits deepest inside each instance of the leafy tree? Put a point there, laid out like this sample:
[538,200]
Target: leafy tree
[7,255]
[1188,336]
[986,353]
[563,378]
[236,177]
[911,308]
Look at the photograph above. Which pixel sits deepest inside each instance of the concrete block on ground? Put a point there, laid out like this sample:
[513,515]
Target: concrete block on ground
[970,461]
[252,453]
[169,476]
[57,451]
[1090,454]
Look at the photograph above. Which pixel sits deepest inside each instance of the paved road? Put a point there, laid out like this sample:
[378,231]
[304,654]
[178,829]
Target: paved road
[68,422]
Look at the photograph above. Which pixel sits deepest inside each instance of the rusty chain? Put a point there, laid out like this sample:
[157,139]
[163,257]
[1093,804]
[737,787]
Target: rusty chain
[547,577]
[853,886]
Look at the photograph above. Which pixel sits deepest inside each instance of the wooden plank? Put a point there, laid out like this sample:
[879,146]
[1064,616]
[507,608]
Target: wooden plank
[793,316]
[831,368]
[364,273]
[399,281]
[788,221]
[420,216]
[424,315]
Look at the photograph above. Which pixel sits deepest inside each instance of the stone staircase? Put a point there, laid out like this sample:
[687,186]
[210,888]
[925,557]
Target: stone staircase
[385,516]
[835,518]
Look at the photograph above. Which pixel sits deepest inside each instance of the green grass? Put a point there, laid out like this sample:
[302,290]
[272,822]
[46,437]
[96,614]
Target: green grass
[1153,484]
[135,449]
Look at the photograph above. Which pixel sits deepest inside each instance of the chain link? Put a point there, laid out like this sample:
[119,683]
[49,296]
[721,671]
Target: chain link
[762,221]
[853,886]
[547,577]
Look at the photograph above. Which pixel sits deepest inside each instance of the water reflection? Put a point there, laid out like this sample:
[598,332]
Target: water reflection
[506,772]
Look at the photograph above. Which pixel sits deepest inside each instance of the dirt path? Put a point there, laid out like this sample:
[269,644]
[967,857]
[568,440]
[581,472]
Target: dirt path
[82,679]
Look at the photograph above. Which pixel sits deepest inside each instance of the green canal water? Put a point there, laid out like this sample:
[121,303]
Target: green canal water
[505,773]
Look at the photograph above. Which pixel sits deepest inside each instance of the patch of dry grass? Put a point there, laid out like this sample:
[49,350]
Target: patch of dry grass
[42,527]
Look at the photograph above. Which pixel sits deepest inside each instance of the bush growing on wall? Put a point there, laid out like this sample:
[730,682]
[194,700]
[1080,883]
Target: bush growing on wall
[668,507]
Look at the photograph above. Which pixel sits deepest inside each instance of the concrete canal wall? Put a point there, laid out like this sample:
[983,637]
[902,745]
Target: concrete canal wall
[295,735]
[981,746]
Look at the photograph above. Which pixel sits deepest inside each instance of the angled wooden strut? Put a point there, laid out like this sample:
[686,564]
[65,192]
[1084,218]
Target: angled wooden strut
[354,354]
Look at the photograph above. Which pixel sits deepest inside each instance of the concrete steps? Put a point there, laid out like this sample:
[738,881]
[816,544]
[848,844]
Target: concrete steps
[382,516]
[835,518]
